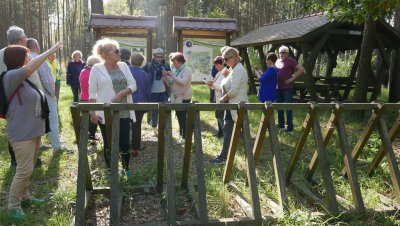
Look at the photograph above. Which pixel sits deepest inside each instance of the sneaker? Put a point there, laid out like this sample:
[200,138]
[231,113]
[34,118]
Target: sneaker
[61,148]
[128,173]
[17,214]
[32,202]
[288,130]
[218,160]
[45,147]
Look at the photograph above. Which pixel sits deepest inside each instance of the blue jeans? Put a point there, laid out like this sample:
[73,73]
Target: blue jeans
[285,96]
[157,98]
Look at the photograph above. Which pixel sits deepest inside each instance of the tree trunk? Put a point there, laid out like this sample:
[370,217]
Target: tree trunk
[86,30]
[97,6]
[40,36]
[394,74]
[364,71]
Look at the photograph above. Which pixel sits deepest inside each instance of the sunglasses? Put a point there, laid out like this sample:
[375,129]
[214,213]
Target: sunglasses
[282,52]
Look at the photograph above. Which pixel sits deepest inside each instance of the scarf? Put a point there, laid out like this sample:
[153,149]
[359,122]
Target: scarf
[176,72]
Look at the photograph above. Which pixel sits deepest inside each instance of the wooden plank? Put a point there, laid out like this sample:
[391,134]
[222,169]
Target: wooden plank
[251,169]
[197,33]
[201,183]
[233,146]
[332,205]
[308,194]
[350,167]
[171,208]
[81,181]
[114,186]
[366,133]
[161,147]
[330,128]
[394,131]
[241,200]
[390,157]
[277,162]
[352,75]
[307,124]
[149,47]
[75,120]
[188,146]
[262,129]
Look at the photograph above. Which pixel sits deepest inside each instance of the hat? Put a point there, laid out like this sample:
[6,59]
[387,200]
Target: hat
[158,51]
[125,54]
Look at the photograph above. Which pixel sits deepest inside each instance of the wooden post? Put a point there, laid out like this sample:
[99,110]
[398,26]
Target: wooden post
[171,209]
[82,166]
[108,119]
[188,145]
[161,146]
[352,76]
[262,57]
[201,183]
[180,41]
[149,45]
[114,151]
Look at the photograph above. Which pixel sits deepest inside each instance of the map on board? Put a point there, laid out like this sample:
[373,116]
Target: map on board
[199,54]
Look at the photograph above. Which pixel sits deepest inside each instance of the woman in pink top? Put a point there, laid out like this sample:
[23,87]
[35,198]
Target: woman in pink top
[84,81]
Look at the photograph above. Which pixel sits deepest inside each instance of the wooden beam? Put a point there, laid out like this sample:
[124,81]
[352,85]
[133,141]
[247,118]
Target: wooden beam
[149,47]
[201,183]
[221,34]
[233,145]
[262,57]
[394,131]
[375,115]
[161,146]
[251,170]
[171,203]
[352,76]
[180,41]
[114,185]
[188,145]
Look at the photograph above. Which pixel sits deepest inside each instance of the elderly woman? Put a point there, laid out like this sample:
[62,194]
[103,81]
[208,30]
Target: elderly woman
[74,68]
[268,80]
[216,86]
[142,95]
[112,81]
[181,88]
[84,82]
[234,90]
[27,109]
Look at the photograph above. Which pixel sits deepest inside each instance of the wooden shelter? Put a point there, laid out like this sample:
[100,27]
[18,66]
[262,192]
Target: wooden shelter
[312,35]
[125,26]
[214,28]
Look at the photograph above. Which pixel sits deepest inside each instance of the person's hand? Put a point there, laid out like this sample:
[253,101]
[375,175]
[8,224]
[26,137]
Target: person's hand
[164,73]
[289,81]
[116,99]
[225,71]
[57,46]
[209,83]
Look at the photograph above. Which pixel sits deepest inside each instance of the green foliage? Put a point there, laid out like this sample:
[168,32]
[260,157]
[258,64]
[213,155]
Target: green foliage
[353,11]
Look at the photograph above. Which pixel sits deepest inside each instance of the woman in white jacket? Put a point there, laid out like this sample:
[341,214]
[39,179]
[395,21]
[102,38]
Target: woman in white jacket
[111,81]
[234,90]
[180,81]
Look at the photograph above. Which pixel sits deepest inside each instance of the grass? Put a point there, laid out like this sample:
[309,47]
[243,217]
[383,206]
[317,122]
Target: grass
[56,180]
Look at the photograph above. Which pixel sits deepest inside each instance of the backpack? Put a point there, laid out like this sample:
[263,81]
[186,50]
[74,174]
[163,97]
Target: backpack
[3,99]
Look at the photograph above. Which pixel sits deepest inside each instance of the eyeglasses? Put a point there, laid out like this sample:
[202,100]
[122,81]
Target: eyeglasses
[116,51]
[282,52]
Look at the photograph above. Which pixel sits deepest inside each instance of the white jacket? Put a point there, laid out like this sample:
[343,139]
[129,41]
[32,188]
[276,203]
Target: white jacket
[101,88]
[235,85]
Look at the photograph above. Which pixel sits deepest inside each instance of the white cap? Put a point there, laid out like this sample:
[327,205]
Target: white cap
[158,51]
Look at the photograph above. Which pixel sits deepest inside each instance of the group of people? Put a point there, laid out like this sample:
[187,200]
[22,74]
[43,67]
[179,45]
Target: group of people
[114,75]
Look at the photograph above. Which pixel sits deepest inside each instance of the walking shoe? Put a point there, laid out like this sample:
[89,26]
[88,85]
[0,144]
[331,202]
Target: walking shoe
[32,202]
[218,160]
[17,214]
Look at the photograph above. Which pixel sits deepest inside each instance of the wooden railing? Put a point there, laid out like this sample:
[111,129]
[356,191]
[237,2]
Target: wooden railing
[283,178]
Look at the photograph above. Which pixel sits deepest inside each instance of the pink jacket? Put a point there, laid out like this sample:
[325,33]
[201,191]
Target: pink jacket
[84,80]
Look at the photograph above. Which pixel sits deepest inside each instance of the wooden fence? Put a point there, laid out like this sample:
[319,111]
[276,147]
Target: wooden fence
[283,178]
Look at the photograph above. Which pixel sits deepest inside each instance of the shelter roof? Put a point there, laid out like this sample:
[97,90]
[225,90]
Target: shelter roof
[343,35]
[205,24]
[122,21]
